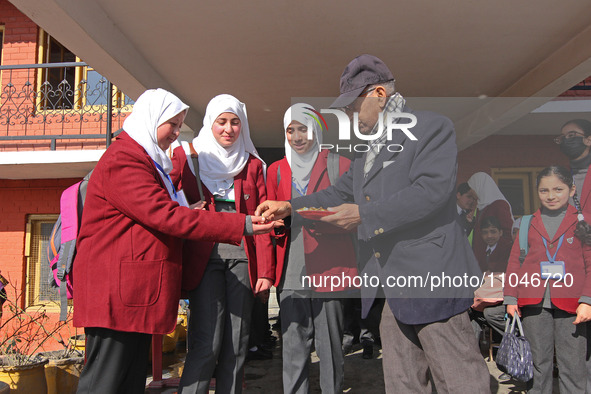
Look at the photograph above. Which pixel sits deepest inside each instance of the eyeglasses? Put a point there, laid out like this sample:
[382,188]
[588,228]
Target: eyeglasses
[349,109]
[570,134]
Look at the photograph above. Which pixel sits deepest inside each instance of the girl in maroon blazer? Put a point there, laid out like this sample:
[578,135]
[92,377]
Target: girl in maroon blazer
[309,311]
[553,308]
[221,295]
[127,273]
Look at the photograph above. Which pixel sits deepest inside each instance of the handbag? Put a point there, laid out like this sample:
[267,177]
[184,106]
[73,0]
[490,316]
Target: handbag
[514,355]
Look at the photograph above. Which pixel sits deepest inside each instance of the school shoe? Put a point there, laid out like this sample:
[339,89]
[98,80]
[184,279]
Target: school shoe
[259,354]
[347,349]
[367,351]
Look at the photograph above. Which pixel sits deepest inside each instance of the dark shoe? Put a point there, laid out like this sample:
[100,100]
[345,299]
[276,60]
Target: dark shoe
[504,376]
[259,354]
[268,346]
[347,349]
[368,351]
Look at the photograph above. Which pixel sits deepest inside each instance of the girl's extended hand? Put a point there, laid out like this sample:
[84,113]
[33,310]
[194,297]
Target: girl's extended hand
[262,289]
[198,205]
[511,309]
[583,313]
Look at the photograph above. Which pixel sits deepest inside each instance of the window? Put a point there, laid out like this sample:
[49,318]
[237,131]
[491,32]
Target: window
[58,84]
[38,290]
[71,87]
[518,185]
[97,88]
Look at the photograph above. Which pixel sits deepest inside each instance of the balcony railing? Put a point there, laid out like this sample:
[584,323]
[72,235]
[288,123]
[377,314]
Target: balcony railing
[41,104]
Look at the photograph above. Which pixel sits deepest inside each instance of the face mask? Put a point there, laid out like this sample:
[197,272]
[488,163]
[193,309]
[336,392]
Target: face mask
[573,147]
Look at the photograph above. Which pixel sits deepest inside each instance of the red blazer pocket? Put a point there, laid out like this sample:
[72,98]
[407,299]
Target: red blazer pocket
[140,282]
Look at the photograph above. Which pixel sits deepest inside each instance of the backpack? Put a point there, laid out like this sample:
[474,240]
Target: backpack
[523,232]
[61,250]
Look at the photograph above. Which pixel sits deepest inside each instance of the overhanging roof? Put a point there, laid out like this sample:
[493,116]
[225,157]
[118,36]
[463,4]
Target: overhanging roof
[265,52]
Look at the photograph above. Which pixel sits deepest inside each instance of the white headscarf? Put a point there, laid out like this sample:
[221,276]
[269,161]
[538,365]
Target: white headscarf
[486,189]
[218,165]
[153,108]
[301,164]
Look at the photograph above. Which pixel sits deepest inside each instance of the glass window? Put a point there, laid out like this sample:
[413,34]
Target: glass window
[96,88]
[39,272]
[518,185]
[59,84]
[64,88]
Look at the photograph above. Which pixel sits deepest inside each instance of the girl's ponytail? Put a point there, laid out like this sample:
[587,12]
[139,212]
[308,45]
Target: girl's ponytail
[583,230]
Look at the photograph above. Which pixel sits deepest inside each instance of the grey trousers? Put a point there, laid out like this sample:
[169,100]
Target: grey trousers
[447,348]
[548,330]
[305,321]
[494,316]
[218,329]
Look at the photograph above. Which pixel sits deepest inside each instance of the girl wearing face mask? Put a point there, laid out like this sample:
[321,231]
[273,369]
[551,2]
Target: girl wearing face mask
[575,143]
[221,293]
[313,249]
[553,308]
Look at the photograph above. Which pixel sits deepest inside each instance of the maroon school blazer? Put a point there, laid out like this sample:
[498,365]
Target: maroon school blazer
[249,188]
[127,273]
[329,250]
[577,261]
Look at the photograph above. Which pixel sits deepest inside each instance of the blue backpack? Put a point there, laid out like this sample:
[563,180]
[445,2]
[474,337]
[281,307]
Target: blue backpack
[523,233]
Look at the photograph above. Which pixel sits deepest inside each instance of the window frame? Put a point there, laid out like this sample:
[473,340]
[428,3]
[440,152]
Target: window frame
[81,74]
[531,202]
[33,263]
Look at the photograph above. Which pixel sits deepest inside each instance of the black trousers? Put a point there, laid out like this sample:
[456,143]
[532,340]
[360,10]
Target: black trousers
[116,362]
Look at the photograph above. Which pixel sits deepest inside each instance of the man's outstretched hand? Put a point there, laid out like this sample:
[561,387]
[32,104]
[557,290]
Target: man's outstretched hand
[346,216]
[274,210]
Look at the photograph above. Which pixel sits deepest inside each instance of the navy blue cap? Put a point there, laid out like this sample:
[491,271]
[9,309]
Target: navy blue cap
[362,71]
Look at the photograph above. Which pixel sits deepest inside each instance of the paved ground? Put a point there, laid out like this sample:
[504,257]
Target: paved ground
[361,376]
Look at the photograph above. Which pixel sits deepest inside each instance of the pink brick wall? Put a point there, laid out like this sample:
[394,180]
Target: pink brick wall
[18,199]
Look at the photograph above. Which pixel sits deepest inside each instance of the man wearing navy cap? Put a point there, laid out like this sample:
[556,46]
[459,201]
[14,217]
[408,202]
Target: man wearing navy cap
[403,204]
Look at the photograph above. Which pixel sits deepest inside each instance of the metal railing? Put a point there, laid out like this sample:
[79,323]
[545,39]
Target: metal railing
[50,102]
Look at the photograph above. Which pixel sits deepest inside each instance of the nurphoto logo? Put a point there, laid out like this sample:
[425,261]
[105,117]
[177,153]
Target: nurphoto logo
[392,120]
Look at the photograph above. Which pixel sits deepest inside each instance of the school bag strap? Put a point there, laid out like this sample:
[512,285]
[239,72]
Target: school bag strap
[333,162]
[332,166]
[191,153]
[523,232]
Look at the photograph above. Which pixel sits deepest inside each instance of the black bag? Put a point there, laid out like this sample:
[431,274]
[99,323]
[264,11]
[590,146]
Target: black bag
[514,356]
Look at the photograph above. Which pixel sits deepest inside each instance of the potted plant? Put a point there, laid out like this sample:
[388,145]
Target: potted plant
[65,365]
[63,370]
[23,332]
